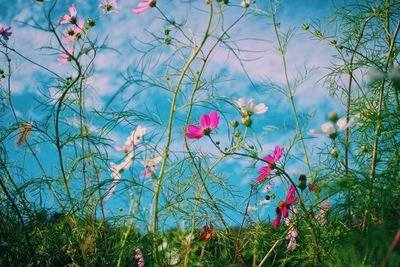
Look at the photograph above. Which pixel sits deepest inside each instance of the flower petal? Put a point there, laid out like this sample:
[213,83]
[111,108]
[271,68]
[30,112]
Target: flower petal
[260,109]
[277,220]
[205,121]
[194,132]
[214,119]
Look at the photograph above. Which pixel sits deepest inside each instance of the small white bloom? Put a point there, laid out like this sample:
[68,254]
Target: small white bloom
[173,257]
[252,208]
[263,202]
[330,129]
[250,108]
[163,246]
[267,188]
[151,162]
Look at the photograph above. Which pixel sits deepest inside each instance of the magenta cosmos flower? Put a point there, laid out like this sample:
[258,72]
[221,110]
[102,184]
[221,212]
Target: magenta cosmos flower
[73,33]
[69,18]
[144,5]
[208,123]
[5,32]
[283,206]
[66,57]
[271,161]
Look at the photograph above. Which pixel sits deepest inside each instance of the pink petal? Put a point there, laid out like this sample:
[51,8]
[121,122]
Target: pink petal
[72,10]
[139,10]
[277,220]
[266,170]
[278,152]
[194,132]
[205,121]
[270,159]
[285,211]
[291,196]
[261,178]
[214,119]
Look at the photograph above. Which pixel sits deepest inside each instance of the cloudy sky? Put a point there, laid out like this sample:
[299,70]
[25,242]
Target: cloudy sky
[133,47]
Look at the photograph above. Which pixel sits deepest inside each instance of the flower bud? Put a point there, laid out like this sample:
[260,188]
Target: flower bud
[237,134]
[363,149]
[167,41]
[335,152]
[245,4]
[302,182]
[333,117]
[152,3]
[333,42]
[246,120]
[166,31]
[234,123]
[306,26]
[90,23]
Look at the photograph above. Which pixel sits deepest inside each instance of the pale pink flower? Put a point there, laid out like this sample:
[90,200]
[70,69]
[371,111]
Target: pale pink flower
[109,6]
[150,166]
[73,33]
[139,257]
[271,161]
[208,123]
[116,170]
[144,5]
[292,234]
[323,210]
[5,32]
[69,18]
[133,139]
[283,206]
[66,57]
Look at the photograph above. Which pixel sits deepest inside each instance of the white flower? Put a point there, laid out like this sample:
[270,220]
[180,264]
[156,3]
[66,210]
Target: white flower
[116,170]
[249,108]
[163,246]
[252,208]
[331,129]
[263,202]
[267,188]
[173,257]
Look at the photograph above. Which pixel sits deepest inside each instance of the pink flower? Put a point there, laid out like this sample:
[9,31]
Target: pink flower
[283,206]
[264,172]
[208,123]
[5,32]
[133,139]
[69,18]
[66,57]
[109,6]
[150,166]
[73,33]
[271,161]
[144,5]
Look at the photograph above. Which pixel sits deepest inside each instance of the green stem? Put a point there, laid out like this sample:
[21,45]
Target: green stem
[170,124]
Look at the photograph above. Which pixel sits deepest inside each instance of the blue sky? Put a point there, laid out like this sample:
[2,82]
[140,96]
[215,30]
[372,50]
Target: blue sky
[125,33]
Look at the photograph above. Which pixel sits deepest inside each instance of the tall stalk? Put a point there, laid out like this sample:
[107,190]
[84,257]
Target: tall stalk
[170,124]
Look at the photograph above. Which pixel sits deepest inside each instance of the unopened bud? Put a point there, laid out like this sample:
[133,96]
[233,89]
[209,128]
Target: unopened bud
[302,182]
[363,149]
[335,152]
[333,116]
[237,134]
[234,123]
[306,27]
[245,4]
